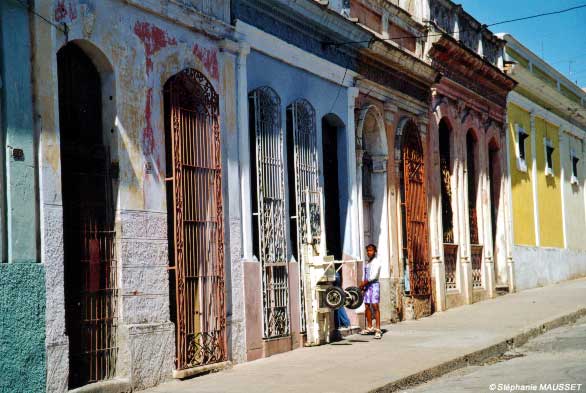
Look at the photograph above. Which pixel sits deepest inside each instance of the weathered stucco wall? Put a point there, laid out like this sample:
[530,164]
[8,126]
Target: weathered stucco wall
[541,266]
[549,194]
[554,252]
[573,196]
[22,328]
[136,47]
[522,188]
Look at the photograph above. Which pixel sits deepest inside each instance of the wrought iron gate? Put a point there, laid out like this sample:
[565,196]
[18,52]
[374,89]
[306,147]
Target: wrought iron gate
[416,213]
[302,117]
[90,259]
[270,187]
[197,217]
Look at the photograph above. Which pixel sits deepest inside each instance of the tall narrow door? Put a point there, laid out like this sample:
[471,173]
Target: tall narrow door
[269,197]
[91,290]
[415,210]
[302,137]
[196,211]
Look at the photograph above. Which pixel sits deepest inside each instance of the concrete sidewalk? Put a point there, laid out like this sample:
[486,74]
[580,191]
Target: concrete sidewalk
[410,352]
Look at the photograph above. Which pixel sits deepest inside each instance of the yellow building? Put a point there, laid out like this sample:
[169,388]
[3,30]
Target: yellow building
[545,137]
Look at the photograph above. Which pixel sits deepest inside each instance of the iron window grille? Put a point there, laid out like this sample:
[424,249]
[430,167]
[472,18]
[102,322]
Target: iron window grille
[269,195]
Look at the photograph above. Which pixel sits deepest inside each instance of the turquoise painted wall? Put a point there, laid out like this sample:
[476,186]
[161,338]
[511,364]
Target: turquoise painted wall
[22,328]
[22,278]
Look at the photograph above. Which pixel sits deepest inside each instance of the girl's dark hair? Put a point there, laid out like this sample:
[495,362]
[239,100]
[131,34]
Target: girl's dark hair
[373,246]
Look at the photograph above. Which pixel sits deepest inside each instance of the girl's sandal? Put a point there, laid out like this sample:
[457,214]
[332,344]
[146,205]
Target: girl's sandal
[378,334]
[366,332]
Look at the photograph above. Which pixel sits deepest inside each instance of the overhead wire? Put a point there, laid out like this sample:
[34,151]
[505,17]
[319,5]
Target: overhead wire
[62,28]
[459,31]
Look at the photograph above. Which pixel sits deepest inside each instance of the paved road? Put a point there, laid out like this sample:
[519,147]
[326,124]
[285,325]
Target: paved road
[557,357]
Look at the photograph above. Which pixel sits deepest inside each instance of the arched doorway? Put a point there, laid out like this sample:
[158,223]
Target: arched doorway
[374,184]
[268,197]
[304,190]
[91,282]
[195,219]
[414,219]
[335,183]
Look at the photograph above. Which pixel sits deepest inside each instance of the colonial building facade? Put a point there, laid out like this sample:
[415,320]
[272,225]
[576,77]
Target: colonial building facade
[392,155]
[135,106]
[470,210]
[546,131]
[297,162]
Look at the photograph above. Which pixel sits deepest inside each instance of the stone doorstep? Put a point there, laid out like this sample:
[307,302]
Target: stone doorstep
[121,385]
[194,371]
[480,356]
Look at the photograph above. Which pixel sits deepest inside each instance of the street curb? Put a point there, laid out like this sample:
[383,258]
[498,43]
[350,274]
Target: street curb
[480,356]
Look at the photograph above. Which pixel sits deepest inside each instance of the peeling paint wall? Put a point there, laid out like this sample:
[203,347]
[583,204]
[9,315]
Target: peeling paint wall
[136,47]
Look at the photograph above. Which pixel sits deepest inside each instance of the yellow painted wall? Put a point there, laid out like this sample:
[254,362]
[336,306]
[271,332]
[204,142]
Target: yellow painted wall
[574,193]
[522,189]
[551,230]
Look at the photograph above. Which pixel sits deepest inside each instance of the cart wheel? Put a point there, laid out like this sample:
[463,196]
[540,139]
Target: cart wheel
[335,297]
[355,296]
[350,298]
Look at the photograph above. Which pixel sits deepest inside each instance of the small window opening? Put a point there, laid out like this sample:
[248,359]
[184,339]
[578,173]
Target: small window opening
[522,136]
[549,157]
[575,160]
[521,148]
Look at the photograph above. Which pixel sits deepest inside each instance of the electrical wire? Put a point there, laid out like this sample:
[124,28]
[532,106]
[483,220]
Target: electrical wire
[538,15]
[62,28]
[460,31]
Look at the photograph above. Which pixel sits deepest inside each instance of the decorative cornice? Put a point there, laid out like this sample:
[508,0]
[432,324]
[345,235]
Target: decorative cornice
[464,104]
[315,18]
[470,70]
[404,62]
[378,71]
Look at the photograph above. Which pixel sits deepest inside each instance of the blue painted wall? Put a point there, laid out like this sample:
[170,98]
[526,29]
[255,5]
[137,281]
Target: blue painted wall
[292,83]
[22,288]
